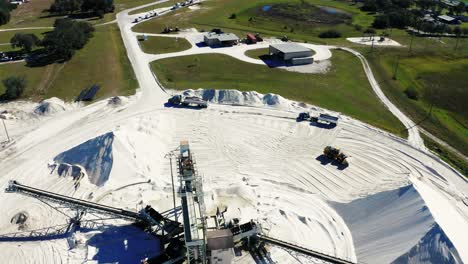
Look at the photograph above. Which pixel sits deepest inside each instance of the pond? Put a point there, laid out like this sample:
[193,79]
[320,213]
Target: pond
[266,8]
[331,10]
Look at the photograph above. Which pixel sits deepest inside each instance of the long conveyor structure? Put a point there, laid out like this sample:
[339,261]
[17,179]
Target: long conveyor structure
[14,186]
[147,216]
[305,251]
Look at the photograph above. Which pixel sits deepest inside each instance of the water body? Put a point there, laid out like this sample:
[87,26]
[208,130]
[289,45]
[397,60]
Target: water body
[331,10]
[266,8]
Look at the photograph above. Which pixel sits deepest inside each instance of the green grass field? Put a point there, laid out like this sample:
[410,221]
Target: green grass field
[441,84]
[257,53]
[102,61]
[344,88]
[158,45]
[215,14]
[35,14]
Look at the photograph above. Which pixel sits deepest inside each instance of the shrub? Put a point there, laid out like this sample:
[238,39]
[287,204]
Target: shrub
[412,93]
[358,27]
[14,87]
[233,16]
[331,33]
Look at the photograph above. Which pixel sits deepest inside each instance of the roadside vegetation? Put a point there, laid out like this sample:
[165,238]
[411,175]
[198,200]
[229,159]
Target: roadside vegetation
[158,45]
[344,88]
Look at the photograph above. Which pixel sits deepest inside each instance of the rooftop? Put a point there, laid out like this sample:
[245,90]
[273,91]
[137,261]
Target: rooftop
[222,36]
[290,47]
[445,17]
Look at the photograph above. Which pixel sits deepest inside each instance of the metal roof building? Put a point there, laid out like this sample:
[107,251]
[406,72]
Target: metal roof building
[447,19]
[292,53]
[222,39]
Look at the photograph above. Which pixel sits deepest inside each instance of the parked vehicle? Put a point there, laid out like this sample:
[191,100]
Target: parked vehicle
[187,100]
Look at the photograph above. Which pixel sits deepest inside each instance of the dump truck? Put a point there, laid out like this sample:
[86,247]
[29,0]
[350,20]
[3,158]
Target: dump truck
[303,116]
[188,100]
[326,119]
[336,155]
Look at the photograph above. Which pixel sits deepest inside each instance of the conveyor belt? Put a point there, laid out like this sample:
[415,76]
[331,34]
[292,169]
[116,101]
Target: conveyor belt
[14,186]
[305,251]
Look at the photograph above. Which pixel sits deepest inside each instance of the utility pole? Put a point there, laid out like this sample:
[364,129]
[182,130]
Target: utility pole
[6,131]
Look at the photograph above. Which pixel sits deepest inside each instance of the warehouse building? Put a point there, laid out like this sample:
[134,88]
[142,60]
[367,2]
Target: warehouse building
[292,53]
[214,39]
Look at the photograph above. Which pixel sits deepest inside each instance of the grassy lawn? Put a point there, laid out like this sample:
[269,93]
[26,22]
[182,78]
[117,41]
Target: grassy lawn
[215,14]
[158,45]
[344,88]
[102,61]
[152,7]
[257,53]
[35,14]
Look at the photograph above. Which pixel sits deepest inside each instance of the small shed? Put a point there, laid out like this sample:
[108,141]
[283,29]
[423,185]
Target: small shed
[447,19]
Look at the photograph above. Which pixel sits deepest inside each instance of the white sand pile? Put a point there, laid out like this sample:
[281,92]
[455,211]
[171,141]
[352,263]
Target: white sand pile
[94,155]
[251,98]
[17,110]
[395,223]
[50,106]
[434,247]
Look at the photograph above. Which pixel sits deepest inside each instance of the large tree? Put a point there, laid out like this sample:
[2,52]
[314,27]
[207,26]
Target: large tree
[25,41]
[68,35]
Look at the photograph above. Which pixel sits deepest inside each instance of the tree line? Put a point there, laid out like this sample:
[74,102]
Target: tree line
[398,14]
[67,7]
[61,43]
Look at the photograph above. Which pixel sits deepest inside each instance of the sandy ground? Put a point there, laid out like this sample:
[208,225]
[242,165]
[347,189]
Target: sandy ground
[258,161]
[375,41]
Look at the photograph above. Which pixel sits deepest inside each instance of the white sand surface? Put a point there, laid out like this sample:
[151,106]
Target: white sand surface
[374,41]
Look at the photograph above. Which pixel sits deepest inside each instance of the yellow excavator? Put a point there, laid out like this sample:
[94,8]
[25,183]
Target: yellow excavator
[336,155]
